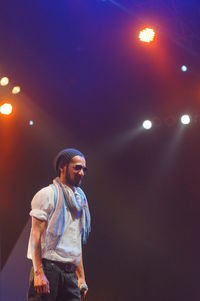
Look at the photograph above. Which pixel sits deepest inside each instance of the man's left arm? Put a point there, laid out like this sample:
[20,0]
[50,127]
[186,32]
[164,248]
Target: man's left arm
[81,277]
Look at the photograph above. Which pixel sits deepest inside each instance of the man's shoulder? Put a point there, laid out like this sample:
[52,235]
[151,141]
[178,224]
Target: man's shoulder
[42,203]
[46,191]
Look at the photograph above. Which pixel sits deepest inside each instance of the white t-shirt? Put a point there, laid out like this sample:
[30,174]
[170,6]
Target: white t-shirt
[69,247]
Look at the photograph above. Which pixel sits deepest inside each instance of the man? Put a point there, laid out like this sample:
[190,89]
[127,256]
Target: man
[60,223]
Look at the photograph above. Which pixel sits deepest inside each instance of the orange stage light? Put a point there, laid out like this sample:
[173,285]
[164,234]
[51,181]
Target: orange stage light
[147,35]
[6,109]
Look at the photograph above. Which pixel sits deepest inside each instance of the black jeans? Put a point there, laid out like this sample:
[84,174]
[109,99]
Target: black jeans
[63,284]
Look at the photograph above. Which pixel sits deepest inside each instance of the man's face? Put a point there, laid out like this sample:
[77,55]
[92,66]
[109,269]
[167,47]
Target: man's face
[75,171]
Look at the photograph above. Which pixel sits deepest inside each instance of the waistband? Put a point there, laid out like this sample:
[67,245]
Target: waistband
[64,266]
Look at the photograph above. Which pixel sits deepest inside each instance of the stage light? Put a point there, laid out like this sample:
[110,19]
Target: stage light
[185,119]
[6,109]
[147,35]
[31,122]
[16,90]
[184,68]
[4,81]
[147,124]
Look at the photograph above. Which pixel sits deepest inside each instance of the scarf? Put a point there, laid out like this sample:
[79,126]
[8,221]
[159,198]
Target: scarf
[77,204]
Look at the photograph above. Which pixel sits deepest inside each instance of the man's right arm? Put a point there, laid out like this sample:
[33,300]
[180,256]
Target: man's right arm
[41,283]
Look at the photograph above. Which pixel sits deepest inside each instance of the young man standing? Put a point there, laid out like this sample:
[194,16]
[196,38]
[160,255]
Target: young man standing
[60,223]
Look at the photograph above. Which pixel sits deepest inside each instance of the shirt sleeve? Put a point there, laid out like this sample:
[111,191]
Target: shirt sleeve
[42,204]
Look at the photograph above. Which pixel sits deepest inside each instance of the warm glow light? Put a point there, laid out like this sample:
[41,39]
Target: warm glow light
[6,109]
[147,124]
[4,81]
[185,119]
[31,122]
[147,35]
[16,90]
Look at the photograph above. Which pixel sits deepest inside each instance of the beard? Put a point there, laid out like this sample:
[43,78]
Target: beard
[73,182]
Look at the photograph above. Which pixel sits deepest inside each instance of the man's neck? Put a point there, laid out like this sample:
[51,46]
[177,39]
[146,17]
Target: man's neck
[65,182]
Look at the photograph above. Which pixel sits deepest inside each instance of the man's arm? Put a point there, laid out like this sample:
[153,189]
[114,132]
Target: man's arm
[41,283]
[81,276]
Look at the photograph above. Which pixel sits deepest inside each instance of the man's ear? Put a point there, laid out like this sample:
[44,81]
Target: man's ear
[63,168]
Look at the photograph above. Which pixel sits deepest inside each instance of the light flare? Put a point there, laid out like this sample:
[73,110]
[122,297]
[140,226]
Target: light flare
[147,35]
[6,109]
[4,81]
[147,124]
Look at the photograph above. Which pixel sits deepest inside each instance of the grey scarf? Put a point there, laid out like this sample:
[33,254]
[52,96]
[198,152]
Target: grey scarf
[77,204]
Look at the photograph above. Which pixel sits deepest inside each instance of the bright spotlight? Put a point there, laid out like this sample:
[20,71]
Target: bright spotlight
[185,119]
[6,109]
[147,124]
[31,122]
[16,90]
[147,35]
[184,68]
[4,81]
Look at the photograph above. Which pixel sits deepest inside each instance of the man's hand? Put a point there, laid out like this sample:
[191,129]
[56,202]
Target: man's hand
[83,287]
[41,283]
[81,279]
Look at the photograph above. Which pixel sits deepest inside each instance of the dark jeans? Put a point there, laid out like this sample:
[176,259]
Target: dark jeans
[63,284]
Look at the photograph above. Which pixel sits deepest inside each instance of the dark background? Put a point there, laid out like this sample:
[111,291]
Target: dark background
[87,82]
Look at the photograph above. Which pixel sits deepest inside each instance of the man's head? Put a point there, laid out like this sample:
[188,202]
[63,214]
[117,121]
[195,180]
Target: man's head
[70,166]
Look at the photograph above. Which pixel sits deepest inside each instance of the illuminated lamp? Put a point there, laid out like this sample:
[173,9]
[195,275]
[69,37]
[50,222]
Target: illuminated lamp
[147,124]
[185,119]
[6,109]
[16,90]
[147,35]
[4,81]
